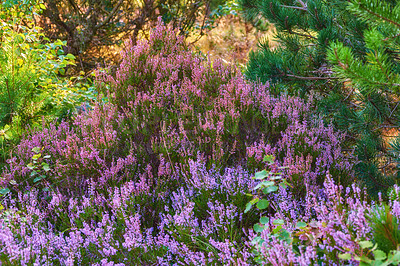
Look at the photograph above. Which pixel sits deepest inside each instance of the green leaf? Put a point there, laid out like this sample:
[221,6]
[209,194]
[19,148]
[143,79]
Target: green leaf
[46,156]
[264,220]
[301,224]
[365,244]
[70,56]
[37,179]
[278,222]
[261,175]
[36,150]
[270,189]
[365,259]
[262,204]
[269,159]
[4,191]
[248,207]
[379,254]
[46,168]
[345,256]
[254,201]
[264,184]
[277,229]
[276,177]
[396,256]
[258,228]
[31,166]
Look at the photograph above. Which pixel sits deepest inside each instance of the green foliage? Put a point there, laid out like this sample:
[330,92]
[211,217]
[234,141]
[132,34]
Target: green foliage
[304,30]
[385,228]
[373,80]
[346,53]
[371,255]
[269,183]
[32,86]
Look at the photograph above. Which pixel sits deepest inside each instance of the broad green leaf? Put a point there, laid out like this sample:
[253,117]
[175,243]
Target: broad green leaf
[36,150]
[4,191]
[276,177]
[278,222]
[264,220]
[301,224]
[345,256]
[270,189]
[258,228]
[379,254]
[46,167]
[70,56]
[277,229]
[365,259]
[269,159]
[37,179]
[261,175]
[262,204]
[365,244]
[396,256]
[248,207]
[264,184]
[254,201]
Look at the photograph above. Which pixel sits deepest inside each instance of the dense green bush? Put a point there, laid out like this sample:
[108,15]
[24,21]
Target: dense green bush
[32,87]
[345,52]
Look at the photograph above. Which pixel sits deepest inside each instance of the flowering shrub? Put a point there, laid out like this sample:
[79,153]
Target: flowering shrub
[160,173]
[177,107]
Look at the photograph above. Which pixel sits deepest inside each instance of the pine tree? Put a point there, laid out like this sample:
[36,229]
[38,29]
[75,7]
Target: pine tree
[347,53]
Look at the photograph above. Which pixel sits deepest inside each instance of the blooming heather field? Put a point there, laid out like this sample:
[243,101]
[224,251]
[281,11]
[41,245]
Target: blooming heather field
[181,160]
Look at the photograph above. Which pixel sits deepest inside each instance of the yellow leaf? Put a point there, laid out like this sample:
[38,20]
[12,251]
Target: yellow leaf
[20,62]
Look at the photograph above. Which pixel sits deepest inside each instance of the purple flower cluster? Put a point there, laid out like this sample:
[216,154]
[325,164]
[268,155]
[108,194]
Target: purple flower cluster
[114,227]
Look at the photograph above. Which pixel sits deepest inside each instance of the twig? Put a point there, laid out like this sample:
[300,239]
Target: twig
[107,20]
[303,6]
[311,78]
[391,113]
[295,7]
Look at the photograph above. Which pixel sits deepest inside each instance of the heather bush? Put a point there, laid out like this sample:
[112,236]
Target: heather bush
[199,223]
[176,105]
[160,171]
[117,225]
[167,107]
